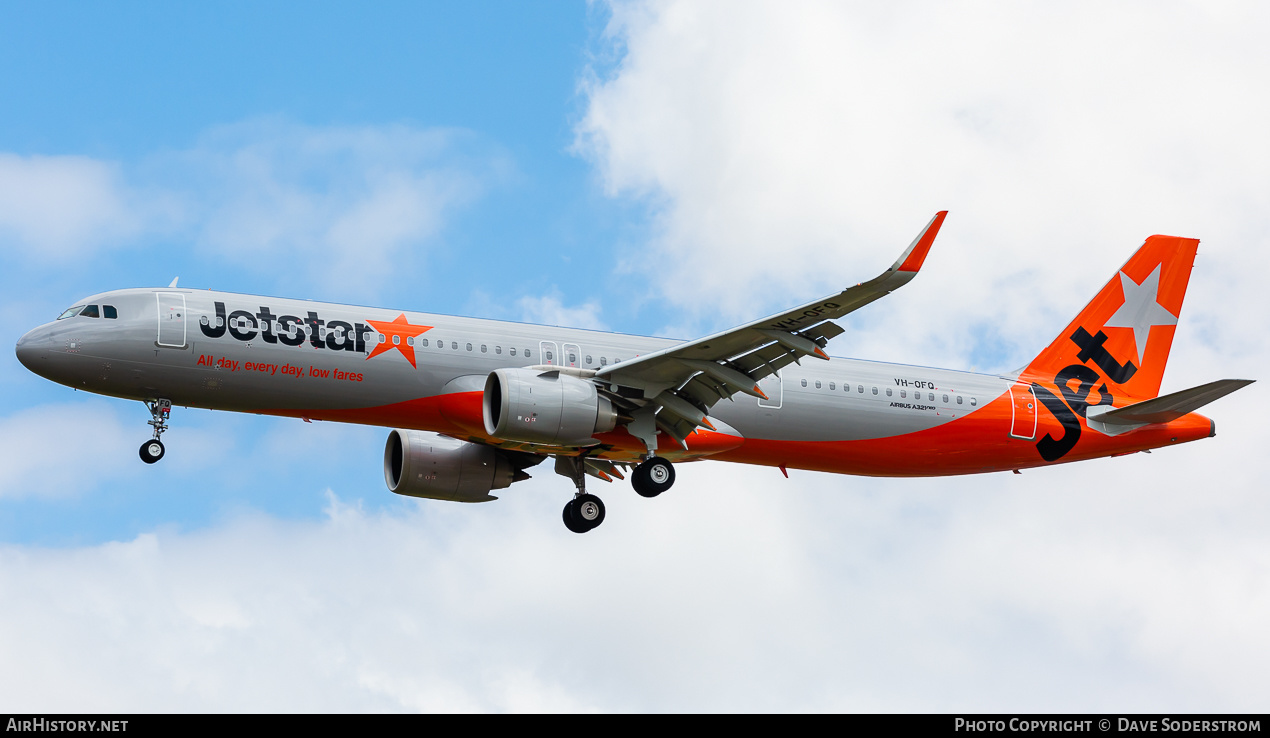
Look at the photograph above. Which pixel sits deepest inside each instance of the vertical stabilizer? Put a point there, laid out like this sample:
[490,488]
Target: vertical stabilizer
[1121,340]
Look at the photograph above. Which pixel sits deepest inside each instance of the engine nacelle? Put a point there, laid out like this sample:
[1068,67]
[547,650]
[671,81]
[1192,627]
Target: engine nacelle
[548,407]
[422,464]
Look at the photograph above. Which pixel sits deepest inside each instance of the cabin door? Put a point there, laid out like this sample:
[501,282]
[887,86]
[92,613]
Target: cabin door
[171,319]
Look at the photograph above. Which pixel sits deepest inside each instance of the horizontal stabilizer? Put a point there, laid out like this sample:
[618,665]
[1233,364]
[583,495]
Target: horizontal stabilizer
[1169,407]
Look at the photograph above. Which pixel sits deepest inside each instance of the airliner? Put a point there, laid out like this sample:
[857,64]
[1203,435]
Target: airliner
[474,403]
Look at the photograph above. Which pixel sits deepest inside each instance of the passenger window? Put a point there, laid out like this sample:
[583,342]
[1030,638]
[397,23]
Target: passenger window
[588,361]
[498,349]
[875,390]
[550,355]
[973,402]
[513,352]
[945,399]
[903,394]
[527,354]
[804,383]
[888,392]
[382,337]
[396,340]
[573,358]
[817,384]
[109,312]
[424,343]
[932,397]
[484,350]
[831,386]
[70,312]
[90,312]
[861,389]
[410,340]
[454,345]
[202,320]
[469,347]
[958,399]
[603,361]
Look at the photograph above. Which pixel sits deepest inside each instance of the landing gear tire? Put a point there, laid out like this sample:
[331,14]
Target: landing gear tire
[653,477]
[152,451]
[583,513]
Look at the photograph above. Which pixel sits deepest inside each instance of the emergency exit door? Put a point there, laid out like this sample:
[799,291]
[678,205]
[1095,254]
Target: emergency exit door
[1023,416]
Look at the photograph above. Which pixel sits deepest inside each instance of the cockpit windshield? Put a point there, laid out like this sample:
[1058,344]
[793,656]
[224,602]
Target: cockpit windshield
[71,312]
[90,312]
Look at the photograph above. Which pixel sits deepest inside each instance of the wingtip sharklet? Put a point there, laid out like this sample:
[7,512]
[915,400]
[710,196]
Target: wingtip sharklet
[912,259]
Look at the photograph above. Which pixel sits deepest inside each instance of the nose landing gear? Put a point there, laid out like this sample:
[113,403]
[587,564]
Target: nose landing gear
[152,450]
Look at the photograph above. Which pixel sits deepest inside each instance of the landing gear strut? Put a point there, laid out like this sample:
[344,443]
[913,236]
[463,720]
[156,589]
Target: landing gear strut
[654,476]
[585,511]
[152,450]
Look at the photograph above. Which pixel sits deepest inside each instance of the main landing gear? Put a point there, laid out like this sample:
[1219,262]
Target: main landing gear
[583,513]
[653,477]
[152,450]
[586,511]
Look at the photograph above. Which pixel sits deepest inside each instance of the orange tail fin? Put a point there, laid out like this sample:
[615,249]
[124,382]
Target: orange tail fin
[1123,336]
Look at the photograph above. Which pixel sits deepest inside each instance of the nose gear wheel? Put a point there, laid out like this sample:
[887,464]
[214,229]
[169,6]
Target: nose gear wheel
[152,451]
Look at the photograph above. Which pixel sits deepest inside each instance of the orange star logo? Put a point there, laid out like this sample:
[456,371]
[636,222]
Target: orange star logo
[397,335]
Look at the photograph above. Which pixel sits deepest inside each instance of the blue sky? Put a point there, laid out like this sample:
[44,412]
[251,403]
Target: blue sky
[163,95]
[663,168]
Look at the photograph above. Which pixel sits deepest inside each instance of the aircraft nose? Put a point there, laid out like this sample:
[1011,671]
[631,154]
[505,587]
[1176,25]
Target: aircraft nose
[32,348]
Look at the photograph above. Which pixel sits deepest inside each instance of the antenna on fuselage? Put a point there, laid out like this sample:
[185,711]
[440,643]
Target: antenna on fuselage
[173,282]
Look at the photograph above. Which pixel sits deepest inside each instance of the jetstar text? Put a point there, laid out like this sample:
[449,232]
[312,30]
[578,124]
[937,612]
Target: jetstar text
[289,330]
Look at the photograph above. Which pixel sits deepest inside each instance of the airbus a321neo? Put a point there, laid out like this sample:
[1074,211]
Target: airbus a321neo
[476,402]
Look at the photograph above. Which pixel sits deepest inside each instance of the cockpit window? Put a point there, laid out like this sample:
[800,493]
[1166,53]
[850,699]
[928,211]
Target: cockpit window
[108,311]
[90,312]
[71,312]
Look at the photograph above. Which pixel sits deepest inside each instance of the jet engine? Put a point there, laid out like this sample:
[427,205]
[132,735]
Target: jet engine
[422,464]
[548,407]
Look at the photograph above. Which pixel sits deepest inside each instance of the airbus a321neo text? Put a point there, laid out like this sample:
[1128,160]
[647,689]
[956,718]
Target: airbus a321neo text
[477,402]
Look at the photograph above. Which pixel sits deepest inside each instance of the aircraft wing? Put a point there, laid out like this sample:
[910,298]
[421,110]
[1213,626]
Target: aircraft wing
[680,383]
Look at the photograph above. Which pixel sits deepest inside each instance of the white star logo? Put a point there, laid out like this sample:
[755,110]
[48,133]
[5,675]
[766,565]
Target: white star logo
[1141,310]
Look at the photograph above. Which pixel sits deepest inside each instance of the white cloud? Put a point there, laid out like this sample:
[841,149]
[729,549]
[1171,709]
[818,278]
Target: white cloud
[737,590]
[54,208]
[341,208]
[549,309]
[790,150]
[63,450]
